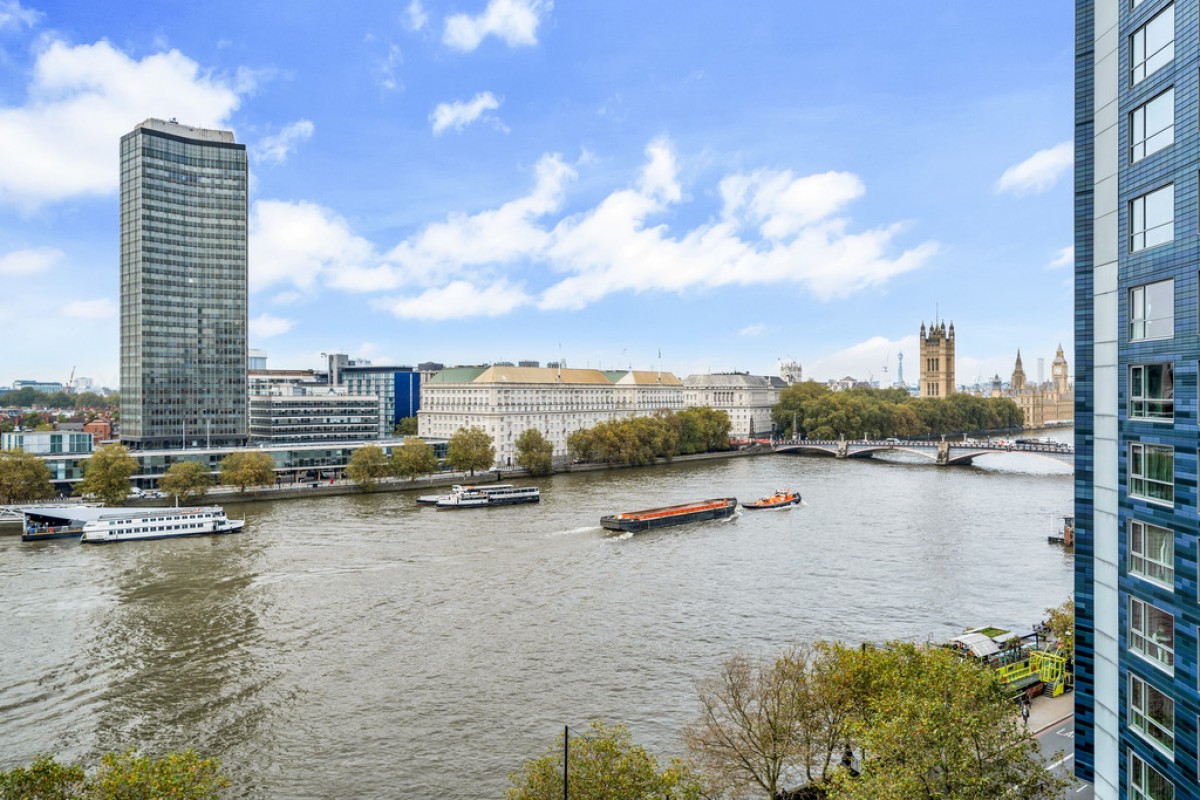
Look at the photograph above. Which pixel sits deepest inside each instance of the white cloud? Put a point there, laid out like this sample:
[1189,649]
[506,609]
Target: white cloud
[28,262]
[82,99]
[276,149]
[12,15]
[514,21]
[102,308]
[264,326]
[416,15]
[386,69]
[1065,258]
[775,229]
[1038,173]
[459,114]
[458,299]
[867,359]
[752,330]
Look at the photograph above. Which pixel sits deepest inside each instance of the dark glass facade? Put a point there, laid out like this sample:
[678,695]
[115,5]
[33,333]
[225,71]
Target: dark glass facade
[183,287]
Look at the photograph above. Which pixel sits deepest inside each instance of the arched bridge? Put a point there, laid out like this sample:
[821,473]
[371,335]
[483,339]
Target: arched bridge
[943,454]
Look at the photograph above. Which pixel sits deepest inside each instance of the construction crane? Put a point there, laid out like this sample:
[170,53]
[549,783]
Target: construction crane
[887,360]
[71,380]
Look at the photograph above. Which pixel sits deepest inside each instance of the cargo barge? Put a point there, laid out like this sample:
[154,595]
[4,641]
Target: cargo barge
[637,521]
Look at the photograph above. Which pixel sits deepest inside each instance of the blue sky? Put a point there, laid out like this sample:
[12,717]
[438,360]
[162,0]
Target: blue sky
[487,180]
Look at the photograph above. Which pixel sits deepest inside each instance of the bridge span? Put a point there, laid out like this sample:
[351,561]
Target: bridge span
[943,454]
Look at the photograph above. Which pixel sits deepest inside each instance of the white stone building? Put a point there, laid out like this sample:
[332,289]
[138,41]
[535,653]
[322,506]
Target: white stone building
[747,399]
[506,401]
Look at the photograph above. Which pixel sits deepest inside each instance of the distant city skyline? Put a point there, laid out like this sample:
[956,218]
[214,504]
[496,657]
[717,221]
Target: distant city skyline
[497,181]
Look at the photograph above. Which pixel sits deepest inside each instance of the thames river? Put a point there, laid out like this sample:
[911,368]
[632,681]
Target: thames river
[367,647]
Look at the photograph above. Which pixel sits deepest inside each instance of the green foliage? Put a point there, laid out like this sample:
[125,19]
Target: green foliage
[1061,622]
[187,480]
[121,776]
[44,779]
[32,398]
[23,477]
[106,474]
[407,426]
[414,457]
[129,775]
[247,468]
[603,764]
[820,413]
[640,440]
[368,465]
[534,452]
[470,449]
[918,722]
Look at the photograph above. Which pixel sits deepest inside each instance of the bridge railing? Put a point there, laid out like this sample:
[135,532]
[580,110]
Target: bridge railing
[996,446]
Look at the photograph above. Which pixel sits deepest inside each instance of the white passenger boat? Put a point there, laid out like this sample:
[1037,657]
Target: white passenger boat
[432,499]
[126,524]
[493,495]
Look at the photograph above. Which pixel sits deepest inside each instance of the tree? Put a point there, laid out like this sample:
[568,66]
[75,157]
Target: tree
[23,477]
[414,457]
[367,466]
[534,452]
[121,776]
[602,764]
[470,449]
[44,779]
[1061,622]
[187,480]
[932,724]
[247,468]
[106,474]
[407,426]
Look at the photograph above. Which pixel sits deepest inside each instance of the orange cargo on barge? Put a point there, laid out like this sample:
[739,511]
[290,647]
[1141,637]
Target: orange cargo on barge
[637,521]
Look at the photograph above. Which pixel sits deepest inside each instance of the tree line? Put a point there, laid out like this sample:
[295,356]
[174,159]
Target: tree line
[636,441]
[813,410]
[32,398]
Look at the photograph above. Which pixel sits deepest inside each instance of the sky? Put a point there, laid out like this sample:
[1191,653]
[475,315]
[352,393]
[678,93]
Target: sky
[701,186]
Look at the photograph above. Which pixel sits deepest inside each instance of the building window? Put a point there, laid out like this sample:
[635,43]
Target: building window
[1152,553]
[1152,633]
[1153,45]
[1152,219]
[1147,783]
[1152,472]
[1152,311]
[1151,713]
[1152,126]
[1152,391]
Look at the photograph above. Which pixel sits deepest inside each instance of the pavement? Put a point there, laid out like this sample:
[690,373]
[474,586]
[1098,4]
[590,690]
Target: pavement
[1047,712]
[1052,722]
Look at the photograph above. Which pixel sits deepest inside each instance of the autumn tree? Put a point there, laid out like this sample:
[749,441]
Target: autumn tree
[106,474]
[414,457]
[1061,622]
[23,477]
[367,466]
[534,452]
[470,449]
[120,776]
[603,763]
[44,779]
[407,426]
[244,468]
[186,480]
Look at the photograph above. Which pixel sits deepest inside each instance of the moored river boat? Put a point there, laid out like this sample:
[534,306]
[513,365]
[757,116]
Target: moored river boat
[781,499]
[650,518]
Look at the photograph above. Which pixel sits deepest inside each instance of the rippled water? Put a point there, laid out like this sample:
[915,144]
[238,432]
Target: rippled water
[364,646]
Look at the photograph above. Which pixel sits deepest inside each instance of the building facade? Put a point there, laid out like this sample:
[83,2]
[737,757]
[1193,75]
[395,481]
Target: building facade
[316,416]
[506,401]
[183,286]
[937,360]
[398,387]
[1137,164]
[747,399]
[1041,403]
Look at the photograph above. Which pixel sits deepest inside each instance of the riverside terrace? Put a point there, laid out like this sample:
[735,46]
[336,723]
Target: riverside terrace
[942,454]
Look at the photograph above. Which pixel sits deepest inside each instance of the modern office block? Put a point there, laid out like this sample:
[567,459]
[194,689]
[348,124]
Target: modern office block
[1137,164]
[183,287]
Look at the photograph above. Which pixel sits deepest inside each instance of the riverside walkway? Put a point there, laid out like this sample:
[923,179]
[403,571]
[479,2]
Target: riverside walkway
[943,454]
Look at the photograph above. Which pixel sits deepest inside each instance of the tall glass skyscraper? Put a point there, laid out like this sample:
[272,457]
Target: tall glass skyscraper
[1137,263]
[183,287]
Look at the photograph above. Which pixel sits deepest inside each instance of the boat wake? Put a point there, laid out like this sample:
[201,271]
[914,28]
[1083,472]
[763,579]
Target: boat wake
[572,531]
[618,537]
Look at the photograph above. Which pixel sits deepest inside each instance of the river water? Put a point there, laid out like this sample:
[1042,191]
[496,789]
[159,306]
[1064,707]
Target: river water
[367,647]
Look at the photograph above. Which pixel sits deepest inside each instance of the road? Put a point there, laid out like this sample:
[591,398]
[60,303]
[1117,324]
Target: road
[1061,737]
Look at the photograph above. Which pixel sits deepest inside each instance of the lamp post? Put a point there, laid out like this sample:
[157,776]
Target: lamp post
[566,754]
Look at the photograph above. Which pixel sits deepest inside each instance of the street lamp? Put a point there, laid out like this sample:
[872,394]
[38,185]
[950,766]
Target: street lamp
[566,754]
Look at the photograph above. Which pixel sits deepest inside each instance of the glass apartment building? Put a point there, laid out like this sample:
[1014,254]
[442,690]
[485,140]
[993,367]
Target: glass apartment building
[183,287]
[1137,263]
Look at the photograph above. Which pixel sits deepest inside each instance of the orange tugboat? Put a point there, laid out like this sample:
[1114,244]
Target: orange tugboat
[637,521]
[781,499]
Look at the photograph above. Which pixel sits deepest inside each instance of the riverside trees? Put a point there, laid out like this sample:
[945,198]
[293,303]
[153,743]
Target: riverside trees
[534,452]
[470,449]
[247,468]
[106,474]
[414,457]
[121,776]
[186,480]
[23,477]
[636,441]
[367,466]
[821,413]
